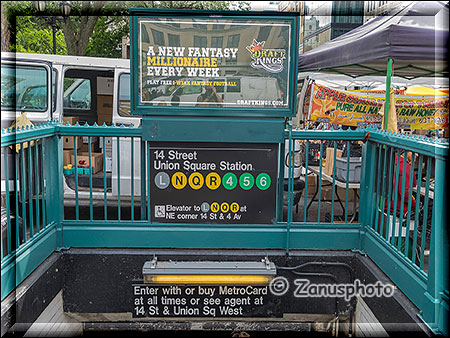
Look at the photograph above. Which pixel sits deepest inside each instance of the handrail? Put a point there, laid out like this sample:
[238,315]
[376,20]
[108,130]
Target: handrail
[11,136]
[417,143]
[96,130]
[318,134]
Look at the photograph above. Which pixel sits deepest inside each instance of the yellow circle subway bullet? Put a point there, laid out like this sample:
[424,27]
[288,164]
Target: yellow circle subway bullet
[179,180]
[234,207]
[224,207]
[215,207]
[213,181]
[196,181]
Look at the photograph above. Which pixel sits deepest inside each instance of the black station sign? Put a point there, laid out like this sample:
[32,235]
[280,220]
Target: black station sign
[213,183]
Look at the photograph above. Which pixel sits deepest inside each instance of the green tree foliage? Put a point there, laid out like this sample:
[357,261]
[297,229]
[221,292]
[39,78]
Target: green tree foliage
[37,37]
[218,5]
[106,39]
[32,33]
[94,28]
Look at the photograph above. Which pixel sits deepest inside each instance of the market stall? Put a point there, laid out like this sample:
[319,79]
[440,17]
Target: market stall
[411,41]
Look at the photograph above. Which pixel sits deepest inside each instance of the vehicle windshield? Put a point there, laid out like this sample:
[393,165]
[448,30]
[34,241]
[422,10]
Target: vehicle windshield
[24,88]
[77,93]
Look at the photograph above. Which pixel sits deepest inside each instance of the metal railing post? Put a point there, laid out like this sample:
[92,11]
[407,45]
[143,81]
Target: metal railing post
[53,175]
[366,201]
[438,272]
[290,187]
[389,72]
[143,180]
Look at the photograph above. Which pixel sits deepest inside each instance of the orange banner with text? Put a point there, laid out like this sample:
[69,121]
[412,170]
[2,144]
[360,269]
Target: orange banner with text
[350,109]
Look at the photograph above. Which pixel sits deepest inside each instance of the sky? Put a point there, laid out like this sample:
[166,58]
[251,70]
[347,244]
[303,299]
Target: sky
[263,5]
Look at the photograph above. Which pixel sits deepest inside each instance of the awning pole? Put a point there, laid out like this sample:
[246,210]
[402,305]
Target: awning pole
[388,92]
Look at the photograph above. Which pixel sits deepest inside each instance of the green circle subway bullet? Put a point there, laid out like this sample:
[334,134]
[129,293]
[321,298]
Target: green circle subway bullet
[263,181]
[229,181]
[246,181]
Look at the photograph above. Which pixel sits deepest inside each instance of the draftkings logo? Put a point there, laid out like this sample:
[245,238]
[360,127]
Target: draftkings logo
[269,59]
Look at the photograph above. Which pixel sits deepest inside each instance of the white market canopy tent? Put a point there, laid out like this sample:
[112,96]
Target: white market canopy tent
[415,37]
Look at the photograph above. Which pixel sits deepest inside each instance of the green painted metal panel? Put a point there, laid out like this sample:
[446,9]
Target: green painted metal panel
[53,175]
[428,312]
[8,207]
[143,179]
[367,182]
[280,191]
[201,236]
[443,315]
[440,226]
[404,275]
[27,258]
[439,249]
[144,223]
[198,129]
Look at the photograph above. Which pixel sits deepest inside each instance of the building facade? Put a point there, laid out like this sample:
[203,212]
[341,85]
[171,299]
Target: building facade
[322,21]
[295,6]
[326,20]
[376,8]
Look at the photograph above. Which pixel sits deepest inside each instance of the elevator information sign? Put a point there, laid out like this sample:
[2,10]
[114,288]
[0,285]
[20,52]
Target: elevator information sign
[213,183]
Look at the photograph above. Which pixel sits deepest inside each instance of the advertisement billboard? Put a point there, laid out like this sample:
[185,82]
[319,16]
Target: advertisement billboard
[213,63]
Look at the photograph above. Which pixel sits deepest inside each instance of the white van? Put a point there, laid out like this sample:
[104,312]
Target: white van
[53,87]
[76,84]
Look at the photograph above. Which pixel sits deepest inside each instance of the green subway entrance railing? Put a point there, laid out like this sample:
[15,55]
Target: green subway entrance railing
[31,201]
[390,213]
[405,230]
